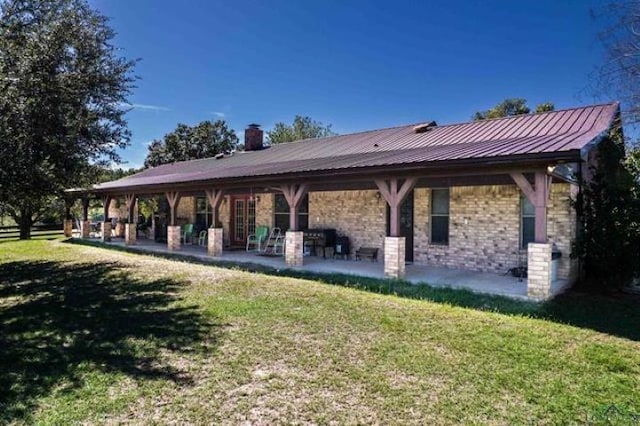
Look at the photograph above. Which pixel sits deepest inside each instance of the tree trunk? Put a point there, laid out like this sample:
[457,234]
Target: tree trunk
[25,224]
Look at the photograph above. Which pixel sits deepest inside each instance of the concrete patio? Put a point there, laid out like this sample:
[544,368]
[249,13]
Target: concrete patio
[479,282]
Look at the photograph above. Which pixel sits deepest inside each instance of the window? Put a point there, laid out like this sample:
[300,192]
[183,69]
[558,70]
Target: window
[203,213]
[440,216]
[282,212]
[527,222]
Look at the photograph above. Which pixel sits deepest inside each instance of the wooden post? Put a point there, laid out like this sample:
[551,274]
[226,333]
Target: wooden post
[106,200]
[294,194]
[538,197]
[215,197]
[174,200]
[395,193]
[85,208]
[130,201]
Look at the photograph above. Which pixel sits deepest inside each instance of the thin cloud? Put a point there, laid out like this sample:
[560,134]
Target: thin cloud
[145,107]
[219,114]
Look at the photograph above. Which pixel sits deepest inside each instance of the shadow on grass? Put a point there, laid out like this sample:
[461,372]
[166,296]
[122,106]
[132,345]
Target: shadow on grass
[59,320]
[618,316]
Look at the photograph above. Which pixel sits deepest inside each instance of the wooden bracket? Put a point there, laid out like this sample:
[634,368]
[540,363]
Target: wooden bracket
[130,201]
[395,191]
[215,197]
[538,196]
[173,197]
[294,194]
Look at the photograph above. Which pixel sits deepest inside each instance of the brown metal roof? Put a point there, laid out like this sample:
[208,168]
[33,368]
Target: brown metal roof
[550,134]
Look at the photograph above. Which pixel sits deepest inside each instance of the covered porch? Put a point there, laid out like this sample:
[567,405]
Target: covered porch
[478,282]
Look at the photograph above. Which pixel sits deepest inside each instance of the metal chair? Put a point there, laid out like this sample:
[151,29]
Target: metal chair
[257,239]
[202,238]
[187,233]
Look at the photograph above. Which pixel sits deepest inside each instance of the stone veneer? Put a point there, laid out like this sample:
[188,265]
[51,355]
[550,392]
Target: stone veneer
[85,229]
[106,231]
[173,237]
[130,233]
[68,228]
[539,271]
[394,253]
[359,215]
[215,241]
[293,252]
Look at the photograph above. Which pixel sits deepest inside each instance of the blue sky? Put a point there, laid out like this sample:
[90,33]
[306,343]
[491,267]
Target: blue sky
[355,64]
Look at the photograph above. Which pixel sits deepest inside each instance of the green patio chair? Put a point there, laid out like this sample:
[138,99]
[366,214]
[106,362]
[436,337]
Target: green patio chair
[256,241]
[187,233]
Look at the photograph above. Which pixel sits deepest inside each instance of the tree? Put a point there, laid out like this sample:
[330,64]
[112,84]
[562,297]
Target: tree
[608,207]
[204,140]
[301,128]
[510,107]
[619,74]
[62,85]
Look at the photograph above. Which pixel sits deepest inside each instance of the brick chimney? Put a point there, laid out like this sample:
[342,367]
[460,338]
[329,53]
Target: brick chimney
[253,136]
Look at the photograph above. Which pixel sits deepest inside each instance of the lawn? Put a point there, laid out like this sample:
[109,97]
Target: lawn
[90,335]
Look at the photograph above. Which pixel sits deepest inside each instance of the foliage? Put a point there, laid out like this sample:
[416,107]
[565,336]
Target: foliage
[204,140]
[545,107]
[510,107]
[619,74]
[609,208]
[301,128]
[62,85]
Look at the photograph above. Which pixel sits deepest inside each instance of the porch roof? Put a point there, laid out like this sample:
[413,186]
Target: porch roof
[545,137]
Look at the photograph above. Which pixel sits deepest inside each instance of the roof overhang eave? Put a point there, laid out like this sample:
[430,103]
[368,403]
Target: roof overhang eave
[490,164]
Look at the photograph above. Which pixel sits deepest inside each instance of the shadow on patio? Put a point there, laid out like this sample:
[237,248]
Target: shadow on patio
[58,318]
[617,315]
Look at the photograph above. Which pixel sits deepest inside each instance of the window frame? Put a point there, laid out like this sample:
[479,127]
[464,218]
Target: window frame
[303,212]
[433,214]
[528,216]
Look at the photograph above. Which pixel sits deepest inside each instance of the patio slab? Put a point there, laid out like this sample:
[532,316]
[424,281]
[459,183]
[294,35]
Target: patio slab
[479,282]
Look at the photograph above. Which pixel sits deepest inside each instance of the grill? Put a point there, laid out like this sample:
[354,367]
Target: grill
[320,238]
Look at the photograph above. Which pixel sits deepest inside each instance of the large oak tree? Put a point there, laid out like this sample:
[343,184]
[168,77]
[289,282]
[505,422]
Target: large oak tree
[301,128]
[62,87]
[203,140]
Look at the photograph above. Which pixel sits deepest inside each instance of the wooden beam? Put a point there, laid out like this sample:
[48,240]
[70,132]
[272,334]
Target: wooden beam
[538,196]
[130,201]
[294,194]
[395,192]
[106,201]
[85,208]
[543,188]
[173,197]
[215,197]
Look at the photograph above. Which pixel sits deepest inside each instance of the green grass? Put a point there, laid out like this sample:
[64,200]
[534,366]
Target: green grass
[90,335]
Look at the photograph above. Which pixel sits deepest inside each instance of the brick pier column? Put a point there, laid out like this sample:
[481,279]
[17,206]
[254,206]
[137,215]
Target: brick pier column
[394,253]
[173,237]
[106,231]
[130,233]
[68,228]
[85,231]
[293,248]
[214,242]
[539,271]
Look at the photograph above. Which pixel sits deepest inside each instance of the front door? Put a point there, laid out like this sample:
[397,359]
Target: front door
[406,225]
[243,219]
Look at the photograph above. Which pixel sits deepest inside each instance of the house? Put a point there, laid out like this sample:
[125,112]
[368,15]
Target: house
[482,196]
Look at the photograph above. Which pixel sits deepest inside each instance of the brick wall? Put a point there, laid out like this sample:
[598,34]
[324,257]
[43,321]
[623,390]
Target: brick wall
[359,215]
[484,228]
[186,210]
